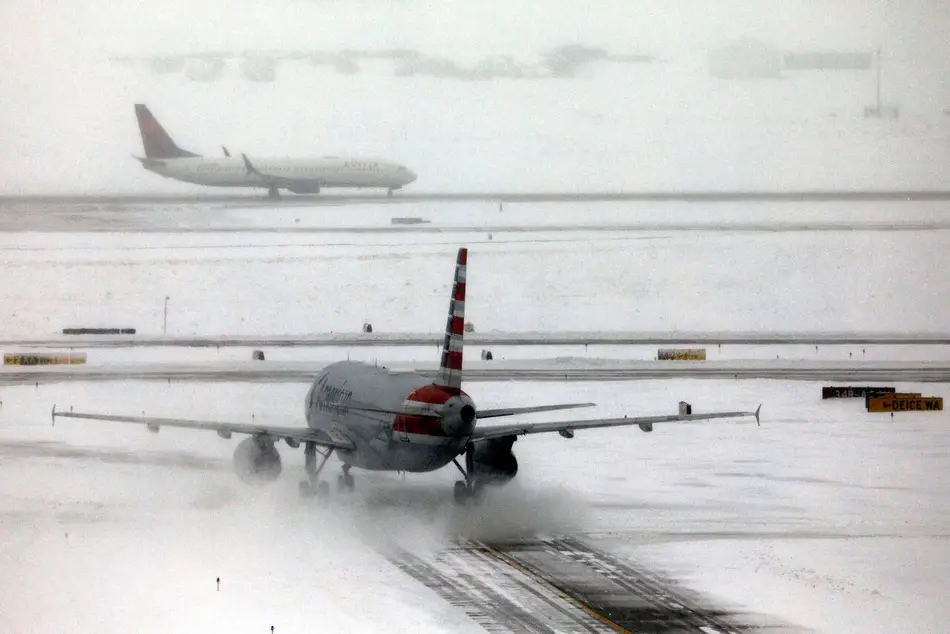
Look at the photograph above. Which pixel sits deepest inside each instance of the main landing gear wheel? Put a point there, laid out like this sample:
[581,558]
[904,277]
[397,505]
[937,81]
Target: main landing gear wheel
[273,193]
[345,481]
[463,493]
[469,489]
[320,491]
[312,486]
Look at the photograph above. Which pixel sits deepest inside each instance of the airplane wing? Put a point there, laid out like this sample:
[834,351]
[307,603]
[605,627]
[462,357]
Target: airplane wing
[568,427]
[224,429]
[425,409]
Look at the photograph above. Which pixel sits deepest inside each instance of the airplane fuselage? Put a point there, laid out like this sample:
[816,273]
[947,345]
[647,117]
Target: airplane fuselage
[386,441]
[309,174]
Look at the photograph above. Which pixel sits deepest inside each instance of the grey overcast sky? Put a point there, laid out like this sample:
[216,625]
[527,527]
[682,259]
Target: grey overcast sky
[68,124]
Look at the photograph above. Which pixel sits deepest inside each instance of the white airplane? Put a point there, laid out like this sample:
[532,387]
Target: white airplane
[299,175]
[381,420]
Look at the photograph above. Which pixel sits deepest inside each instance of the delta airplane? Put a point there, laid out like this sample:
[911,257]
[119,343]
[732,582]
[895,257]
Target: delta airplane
[298,175]
[381,420]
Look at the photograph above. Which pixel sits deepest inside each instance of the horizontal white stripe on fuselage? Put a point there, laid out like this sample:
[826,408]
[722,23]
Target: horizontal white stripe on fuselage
[231,172]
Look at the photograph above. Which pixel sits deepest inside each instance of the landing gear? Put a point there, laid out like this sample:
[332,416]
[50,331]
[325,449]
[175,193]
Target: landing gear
[273,193]
[469,489]
[312,486]
[345,481]
[389,193]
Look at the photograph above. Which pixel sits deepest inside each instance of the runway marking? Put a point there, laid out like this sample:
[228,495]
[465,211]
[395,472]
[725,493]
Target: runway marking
[565,585]
[511,561]
[492,596]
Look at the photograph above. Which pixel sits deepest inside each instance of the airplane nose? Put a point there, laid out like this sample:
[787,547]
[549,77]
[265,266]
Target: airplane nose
[410,175]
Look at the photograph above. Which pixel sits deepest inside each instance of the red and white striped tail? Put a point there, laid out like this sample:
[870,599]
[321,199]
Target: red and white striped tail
[450,369]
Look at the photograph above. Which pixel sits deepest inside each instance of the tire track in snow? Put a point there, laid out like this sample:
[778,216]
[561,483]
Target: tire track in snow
[564,585]
[500,598]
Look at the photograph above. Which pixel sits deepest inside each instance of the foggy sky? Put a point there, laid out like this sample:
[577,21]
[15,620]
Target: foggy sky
[68,122]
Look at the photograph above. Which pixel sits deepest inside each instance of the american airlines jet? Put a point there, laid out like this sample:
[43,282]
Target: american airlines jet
[298,175]
[381,420]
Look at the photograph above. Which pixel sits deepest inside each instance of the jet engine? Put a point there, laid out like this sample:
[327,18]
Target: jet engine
[458,416]
[256,460]
[494,462]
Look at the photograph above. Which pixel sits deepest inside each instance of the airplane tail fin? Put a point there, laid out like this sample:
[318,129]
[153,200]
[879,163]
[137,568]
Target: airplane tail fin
[450,369]
[157,143]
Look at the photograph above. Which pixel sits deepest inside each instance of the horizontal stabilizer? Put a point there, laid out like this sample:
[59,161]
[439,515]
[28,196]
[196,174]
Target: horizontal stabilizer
[399,411]
[512,411]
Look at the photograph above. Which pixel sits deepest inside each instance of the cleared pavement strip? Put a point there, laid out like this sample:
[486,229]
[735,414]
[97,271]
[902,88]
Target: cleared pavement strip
[567,338]
[494,196]
[582,370]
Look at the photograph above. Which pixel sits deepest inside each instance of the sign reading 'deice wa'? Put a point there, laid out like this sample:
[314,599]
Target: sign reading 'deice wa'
[905,403]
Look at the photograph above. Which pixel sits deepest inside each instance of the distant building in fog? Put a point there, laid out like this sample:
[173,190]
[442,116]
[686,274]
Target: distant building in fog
[828,60]
[745,59]
[259,68]
[204,68]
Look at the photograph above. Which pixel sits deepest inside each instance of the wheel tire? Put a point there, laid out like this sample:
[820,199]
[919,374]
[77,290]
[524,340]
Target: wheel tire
[306,491]
[323,489]
[460,492]
[341,482]
[350,482]
[478,491]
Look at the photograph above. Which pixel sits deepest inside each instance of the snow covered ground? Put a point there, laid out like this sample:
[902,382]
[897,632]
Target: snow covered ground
[833,507]
[252,284]
[402,356]
[820,516]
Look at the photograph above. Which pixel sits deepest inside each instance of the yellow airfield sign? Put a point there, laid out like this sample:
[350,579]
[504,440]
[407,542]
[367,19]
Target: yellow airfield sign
[905,403]
[30,358]
[681,354]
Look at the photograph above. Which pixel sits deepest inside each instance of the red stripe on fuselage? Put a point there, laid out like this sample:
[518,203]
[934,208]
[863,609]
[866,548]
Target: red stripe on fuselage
[425,425]
[431,394]
[421,425]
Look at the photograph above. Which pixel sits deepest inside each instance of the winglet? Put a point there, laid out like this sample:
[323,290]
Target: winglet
[247,165]
[226,153]
[757,410]
[52,415]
